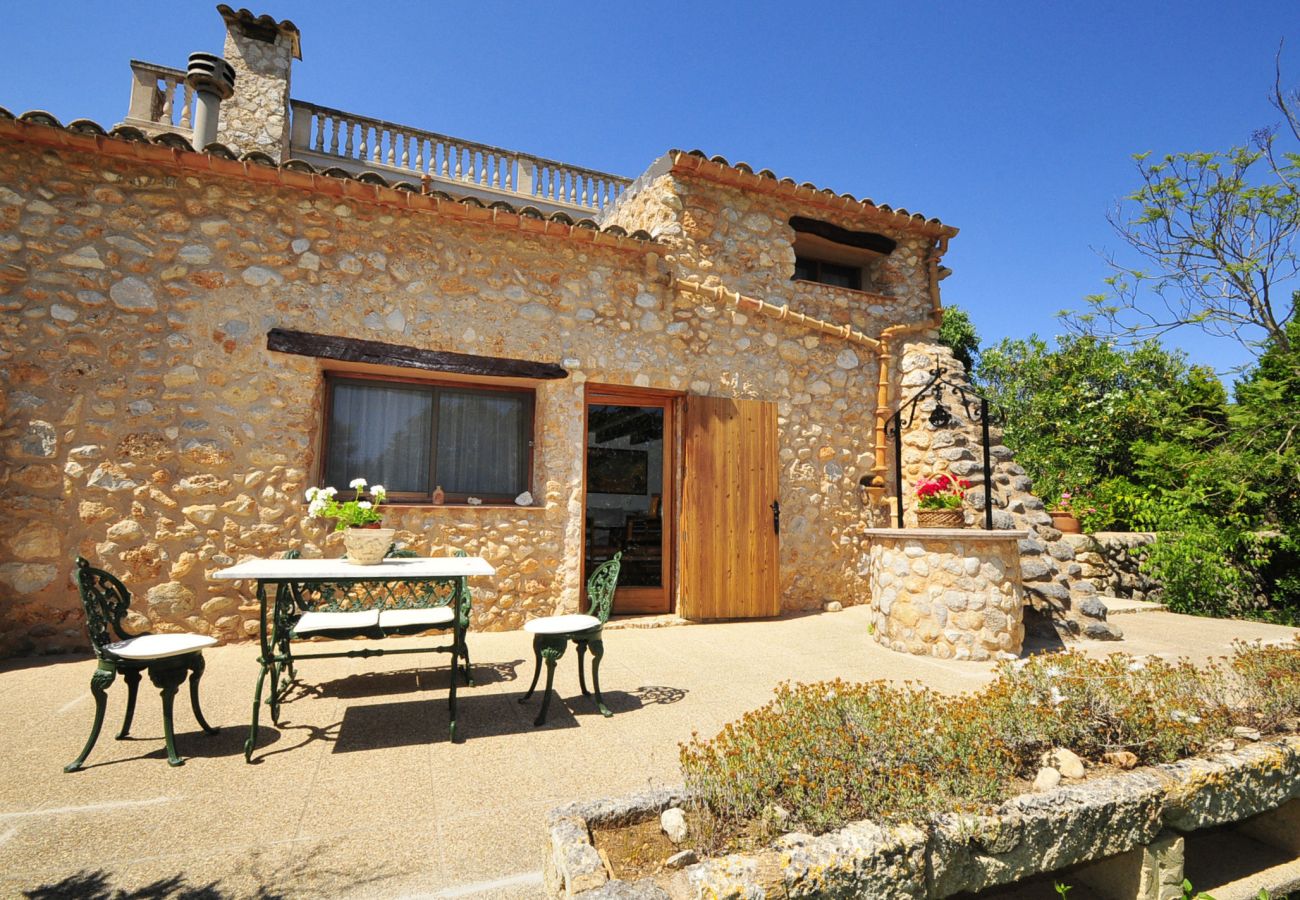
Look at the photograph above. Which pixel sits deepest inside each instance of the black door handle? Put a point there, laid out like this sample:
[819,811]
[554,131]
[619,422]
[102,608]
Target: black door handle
[776,516]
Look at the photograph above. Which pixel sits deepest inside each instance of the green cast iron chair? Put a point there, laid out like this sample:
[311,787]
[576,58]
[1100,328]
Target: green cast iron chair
[551,635]
[168,658]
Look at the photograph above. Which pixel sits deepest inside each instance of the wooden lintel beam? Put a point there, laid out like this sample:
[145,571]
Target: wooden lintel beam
[326,346]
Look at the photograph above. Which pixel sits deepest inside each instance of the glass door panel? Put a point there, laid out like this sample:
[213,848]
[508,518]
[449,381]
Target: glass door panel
[628,477]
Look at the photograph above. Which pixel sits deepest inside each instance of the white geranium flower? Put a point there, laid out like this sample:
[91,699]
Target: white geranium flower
[311,493]
[378,491]
[357,483]
[329,491]
[316,507]
[364,504]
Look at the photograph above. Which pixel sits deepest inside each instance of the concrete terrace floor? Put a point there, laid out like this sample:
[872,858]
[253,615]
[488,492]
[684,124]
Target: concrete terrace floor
[360,794]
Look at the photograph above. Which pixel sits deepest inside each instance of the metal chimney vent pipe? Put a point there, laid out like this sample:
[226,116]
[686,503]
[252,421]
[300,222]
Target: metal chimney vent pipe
[213,80]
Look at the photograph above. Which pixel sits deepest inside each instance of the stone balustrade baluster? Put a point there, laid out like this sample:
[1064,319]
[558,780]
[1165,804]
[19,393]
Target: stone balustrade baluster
[393,138]
[497,162]
[168,92]
[459,162]
[379,140]
[334,136]
[187,103]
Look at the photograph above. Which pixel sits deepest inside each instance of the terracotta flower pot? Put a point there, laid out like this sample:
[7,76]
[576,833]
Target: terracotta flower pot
[367,546]
[1064,521]
[940,518]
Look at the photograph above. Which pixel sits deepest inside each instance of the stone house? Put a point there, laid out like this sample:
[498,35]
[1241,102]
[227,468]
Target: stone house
[675,367]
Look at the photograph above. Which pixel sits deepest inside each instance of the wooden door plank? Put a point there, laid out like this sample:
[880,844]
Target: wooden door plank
[729,548]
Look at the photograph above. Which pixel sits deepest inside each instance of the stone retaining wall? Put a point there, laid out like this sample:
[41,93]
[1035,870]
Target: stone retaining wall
[1084,822]
[1112,561]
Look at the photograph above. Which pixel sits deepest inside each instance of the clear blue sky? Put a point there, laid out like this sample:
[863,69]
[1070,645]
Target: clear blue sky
[1014,121]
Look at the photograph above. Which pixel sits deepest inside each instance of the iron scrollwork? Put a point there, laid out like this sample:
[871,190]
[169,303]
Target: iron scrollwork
[978,411]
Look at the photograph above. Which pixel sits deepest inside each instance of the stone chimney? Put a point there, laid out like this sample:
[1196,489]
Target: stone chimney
[261,51]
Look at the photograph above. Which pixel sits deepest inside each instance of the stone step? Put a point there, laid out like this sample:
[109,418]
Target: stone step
[1117,606]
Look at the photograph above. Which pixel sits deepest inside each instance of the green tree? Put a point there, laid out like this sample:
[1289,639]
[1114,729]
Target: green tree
[1088,416]
[1219,236]
[958,334]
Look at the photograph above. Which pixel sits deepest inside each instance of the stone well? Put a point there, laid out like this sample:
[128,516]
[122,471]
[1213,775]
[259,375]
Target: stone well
[954,593]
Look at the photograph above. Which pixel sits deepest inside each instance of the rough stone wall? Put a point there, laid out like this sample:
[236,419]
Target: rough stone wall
[1112,561]
[1055,585]
[952,598]
[723,236]
[257,116]
[145,425]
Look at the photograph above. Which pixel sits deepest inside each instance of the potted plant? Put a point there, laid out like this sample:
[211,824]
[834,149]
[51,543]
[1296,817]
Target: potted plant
[938,501]
[359,519]
[1065,513]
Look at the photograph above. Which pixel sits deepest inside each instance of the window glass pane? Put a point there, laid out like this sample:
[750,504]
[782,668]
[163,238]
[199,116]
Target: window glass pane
[381,433]
[840,276]
[805,269]
[483,442]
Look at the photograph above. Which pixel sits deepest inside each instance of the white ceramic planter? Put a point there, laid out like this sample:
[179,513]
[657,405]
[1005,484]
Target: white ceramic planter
[367,546]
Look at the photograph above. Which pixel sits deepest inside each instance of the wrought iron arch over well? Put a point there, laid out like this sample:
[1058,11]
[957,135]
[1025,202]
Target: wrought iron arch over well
[978,411]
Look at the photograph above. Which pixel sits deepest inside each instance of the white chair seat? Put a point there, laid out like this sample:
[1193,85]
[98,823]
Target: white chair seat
[561,624]
[400,618]
[336,621]
[159,646]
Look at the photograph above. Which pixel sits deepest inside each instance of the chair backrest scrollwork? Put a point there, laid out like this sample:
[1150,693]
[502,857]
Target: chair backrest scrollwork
[106,601]
[601,585]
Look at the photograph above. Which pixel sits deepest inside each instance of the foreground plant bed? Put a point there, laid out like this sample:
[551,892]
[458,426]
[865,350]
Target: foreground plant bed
[1032,833]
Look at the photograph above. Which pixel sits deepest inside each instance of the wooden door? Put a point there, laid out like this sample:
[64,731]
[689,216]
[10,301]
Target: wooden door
[728,546]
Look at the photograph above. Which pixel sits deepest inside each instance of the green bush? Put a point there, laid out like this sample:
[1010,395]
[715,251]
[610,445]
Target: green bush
[821,755]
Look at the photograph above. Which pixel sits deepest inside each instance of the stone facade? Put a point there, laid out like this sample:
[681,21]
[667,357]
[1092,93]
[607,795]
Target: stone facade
[953,595]
[147,427]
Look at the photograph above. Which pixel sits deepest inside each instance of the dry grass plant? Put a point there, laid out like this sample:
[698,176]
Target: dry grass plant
[819,756]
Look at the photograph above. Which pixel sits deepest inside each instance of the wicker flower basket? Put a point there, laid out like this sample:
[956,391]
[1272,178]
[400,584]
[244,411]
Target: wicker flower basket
[940,518]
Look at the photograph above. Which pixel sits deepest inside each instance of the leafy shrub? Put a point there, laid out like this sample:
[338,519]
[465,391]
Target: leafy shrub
[1209,570]
[821,755]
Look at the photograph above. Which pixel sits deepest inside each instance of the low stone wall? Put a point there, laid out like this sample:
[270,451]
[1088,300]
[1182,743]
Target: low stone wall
[1084,822]
[954,593]
[1112,561]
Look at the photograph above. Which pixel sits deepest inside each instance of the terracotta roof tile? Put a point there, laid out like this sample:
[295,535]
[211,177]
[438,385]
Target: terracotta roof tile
[742,175]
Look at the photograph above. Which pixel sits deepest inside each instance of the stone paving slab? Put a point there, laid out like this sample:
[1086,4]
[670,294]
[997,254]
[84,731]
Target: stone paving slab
[359,792]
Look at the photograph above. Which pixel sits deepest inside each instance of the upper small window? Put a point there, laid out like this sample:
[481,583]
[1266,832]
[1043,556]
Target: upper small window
[829,254]
[413,437]
[827,273]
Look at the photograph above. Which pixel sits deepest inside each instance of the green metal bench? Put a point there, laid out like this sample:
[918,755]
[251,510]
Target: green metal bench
[167,658]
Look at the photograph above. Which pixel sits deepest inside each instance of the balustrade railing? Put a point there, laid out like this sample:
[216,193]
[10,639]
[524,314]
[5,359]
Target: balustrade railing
[160,99]
[333,137]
